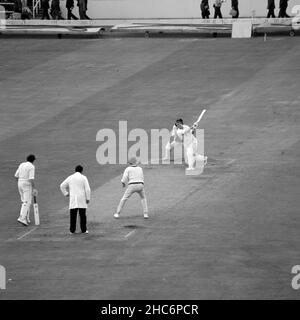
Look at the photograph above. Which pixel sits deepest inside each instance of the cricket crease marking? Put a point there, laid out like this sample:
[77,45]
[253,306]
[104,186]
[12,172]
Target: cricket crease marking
[129,234]
[27,233]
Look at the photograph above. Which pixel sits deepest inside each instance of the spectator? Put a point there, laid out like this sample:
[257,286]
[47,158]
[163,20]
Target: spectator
[70,7]
[283,4]
[271,8]
[45,9]
[217,6]
[18,6]
[26,12]
[55,10]
[235,9]
[204,6]
[82,5]
[86,9]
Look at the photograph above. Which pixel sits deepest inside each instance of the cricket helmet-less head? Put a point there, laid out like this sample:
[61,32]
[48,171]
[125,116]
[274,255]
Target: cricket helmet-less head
[132,161]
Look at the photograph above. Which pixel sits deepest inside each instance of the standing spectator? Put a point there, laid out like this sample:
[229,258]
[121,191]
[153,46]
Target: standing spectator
[70,7]
[271,8]
[204,6]
[45,9]
[283,4]
[235,9]
[77,188]
[55,10]
[82,5]
[26,12]
[86,9]
[217,6]
[18,6]
[25,176]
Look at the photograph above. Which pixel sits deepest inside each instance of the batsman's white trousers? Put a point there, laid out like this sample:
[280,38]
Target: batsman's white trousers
[172,145]
[191,151]
[131,189]
[25,190]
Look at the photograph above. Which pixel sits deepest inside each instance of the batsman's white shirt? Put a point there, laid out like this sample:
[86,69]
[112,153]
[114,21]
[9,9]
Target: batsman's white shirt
[174,134]
[78,188]
[25,172]
[187,136]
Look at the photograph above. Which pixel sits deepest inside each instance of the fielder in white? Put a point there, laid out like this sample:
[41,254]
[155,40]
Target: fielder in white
[183,134]
[134,177]
[25,175]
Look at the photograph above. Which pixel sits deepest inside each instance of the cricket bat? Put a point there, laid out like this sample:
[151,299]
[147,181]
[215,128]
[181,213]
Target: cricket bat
[201,116]
[36,211]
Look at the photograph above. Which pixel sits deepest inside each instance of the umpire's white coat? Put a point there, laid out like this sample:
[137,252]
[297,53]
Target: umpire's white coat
[78,188]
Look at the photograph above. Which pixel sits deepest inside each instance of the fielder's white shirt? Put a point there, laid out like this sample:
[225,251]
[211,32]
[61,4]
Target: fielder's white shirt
[25,171]
[78,188]
[133,174]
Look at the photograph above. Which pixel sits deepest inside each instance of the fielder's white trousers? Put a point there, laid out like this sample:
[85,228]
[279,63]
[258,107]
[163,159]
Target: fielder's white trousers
[25,190]
[131,189]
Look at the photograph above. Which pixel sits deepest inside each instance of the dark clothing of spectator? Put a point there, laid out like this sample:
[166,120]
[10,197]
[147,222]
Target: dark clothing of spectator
[26,12]
[70,7]
[82,6]
[55,10]
[271,8]
[217,6]
[204,6]
[235,7]
[18,6]
[45,9]
[283,4]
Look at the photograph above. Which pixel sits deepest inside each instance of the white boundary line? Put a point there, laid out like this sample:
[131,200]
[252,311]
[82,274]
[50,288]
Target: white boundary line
[27,233]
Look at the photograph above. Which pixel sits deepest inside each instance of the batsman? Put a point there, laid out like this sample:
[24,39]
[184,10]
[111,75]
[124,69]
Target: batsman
[184,134]
[25,175]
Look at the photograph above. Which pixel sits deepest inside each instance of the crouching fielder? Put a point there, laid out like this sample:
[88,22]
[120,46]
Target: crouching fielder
[134,177]
[25,176]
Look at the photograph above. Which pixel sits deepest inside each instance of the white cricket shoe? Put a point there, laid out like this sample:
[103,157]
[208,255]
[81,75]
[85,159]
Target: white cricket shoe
[23,222]
[146,216]
[116,215]
[86,232]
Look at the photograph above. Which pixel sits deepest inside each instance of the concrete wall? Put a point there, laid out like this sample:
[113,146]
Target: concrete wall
[135,9]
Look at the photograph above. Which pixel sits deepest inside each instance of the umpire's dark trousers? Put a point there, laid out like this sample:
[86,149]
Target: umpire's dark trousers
[73,219]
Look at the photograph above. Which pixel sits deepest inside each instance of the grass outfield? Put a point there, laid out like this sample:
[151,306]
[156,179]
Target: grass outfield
[231,233]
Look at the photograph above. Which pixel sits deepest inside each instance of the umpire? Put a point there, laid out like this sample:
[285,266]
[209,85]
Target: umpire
[77,188]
